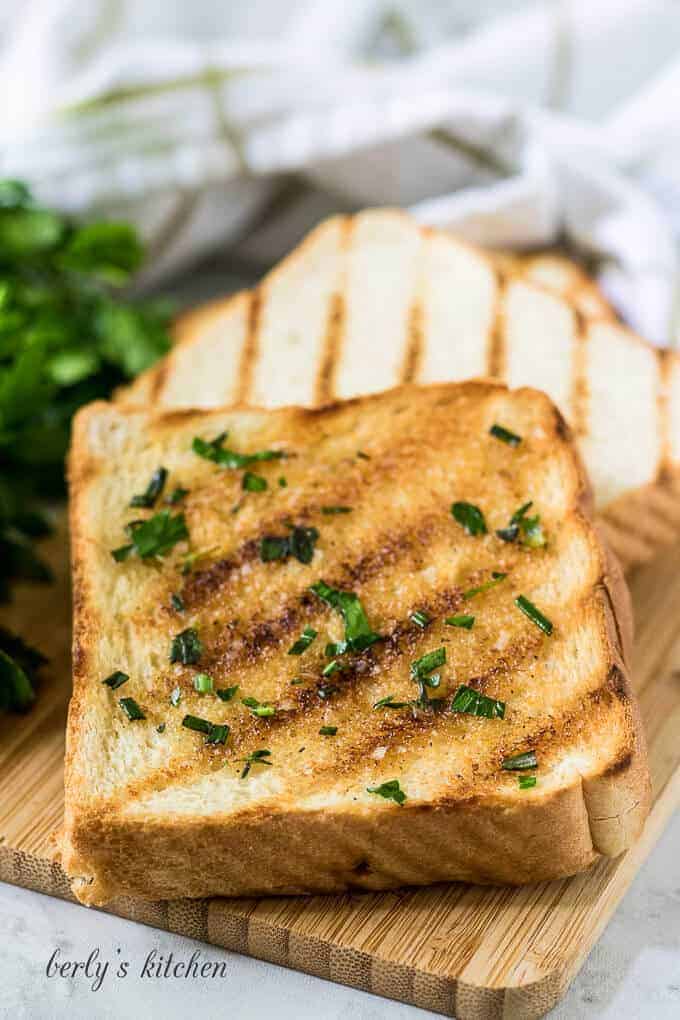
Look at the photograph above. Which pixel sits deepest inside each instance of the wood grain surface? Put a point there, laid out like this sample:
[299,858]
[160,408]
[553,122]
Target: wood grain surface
[465,951]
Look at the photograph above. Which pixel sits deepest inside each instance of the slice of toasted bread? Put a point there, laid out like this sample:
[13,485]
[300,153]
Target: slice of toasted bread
[155,809]
[373,300]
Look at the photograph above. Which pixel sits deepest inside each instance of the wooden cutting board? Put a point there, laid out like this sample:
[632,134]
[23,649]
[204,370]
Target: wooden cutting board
[465,951]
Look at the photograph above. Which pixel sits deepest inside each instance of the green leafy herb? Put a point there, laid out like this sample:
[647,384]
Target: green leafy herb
[226,693]
[282,482]
[214,733]
[421,619]
[362,456]
[519,762]
[116,680]
[131,709]
[296,681]
[390,790]
[160,728]
[467,622]
[258,708]
[389,702]
[215,451]
[175,696]
[528,529]
[256,758]
[496,578]
[177,495]
[19,664]
[358,633]
[326,690]
[203,683]
[471,702]
[303,642]
[469,517]
[300,544]
[421,668]
[328,731]
[534,614]
[186,647]
[334,666]
[526,782]
[153,537]
[330,510]
[505,435]
[254,483]
[177,602]
[152,491]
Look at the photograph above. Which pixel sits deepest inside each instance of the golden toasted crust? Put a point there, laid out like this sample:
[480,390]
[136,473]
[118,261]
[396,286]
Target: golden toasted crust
[161,815]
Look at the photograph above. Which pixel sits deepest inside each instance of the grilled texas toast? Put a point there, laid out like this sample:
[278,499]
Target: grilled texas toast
[356,524]
[373,300]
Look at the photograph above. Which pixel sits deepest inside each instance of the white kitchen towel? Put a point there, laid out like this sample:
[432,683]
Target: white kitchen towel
[516,124]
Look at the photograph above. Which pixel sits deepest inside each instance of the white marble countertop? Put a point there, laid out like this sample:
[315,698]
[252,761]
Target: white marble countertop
[632,974]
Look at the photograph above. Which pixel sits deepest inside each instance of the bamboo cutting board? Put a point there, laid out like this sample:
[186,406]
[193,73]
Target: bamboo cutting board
[465,951]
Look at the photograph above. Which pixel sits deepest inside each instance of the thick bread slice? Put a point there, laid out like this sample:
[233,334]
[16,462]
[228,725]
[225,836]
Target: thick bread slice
[164,814]
[373,300]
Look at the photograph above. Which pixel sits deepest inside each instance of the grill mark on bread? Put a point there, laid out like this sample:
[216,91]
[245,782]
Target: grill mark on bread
[415,340]
[579,398]
[496,352]
[324,392]
[249,352]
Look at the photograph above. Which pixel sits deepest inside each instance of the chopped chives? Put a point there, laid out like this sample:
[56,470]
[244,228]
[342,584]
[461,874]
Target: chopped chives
[467,622]
[505,435]
[116,680]
[131,709]
[534,614]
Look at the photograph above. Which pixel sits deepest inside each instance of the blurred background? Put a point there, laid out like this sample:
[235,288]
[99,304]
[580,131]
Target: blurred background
[224,131]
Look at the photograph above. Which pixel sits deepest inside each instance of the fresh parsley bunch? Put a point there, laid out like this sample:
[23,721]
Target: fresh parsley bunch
[65,339]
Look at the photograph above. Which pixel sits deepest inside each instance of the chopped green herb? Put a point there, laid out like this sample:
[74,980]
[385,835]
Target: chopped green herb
[282,482]
[215,451]
[226,693]
[253,483]
[116,680]
[358,633]
[177,602]
[296,681]
[421,619]
[362,455]
[534,614]
[186,647]
[467,622]
[505,435]
[330,510]
[328,731]
[331,667]
[526,782]
[214,733]
[303,642]
[427,663]
[469,517]
[154,537]
[175,696]
[256,758]
[528,528]
[177,495]
[152,491]
[389,790]
[131,709]
[203,683]
[389,702]
[19,664]
[160,728]
[496,578]
[326,690]
[520,762]
[300,544]
[471,702]
[258,708]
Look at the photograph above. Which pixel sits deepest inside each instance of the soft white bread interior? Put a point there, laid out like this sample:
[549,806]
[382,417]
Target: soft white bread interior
[155,810]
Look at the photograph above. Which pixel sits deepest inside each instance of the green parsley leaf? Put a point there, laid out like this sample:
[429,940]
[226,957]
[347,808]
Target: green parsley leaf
[427,663]
[505,435]
[300,544]
[328,731]
[186,647]
[528,528]
[215,451]
[496,578]
[116,680]
[390,790]
[282,482]
[467,622]
[258,708]
[256,758]
[534,614]
[214,733]
[153,537]
[358,633]
[253,483]
[526,782]
[226,693]
[177,602]
[152,491]
[469,517]
[471,702]
[389,702]
[303,642]
[177,495]
[131,709]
